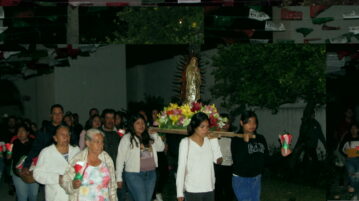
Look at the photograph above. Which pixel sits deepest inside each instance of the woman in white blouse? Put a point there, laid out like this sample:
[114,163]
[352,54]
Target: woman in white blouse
[53,160]
[137,159]
[195,174]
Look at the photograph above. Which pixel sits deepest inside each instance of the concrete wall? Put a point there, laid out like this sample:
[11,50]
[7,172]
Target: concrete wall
[95,81]
[41,96]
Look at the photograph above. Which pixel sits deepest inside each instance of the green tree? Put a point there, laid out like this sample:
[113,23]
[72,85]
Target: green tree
[269,75]
[158,25]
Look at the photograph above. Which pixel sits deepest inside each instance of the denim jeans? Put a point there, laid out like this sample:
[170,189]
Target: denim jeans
[141,185]
[352,165]
[25,191]
[247,188]
[123,194]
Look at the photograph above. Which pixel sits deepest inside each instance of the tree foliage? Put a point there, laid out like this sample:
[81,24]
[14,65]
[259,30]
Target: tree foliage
[269,75]
[158,25]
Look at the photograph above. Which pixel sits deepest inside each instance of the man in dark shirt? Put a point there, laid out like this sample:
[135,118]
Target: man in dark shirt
[45,135]
[112,141]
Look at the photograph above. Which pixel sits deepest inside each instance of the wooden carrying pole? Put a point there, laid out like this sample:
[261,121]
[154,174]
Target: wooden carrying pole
[215,134]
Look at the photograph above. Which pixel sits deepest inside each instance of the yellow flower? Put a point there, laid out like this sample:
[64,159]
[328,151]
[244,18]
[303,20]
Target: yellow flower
[186,110]
[172,106]
[174,118]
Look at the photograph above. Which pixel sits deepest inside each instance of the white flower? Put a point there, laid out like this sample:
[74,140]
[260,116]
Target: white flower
[186,121]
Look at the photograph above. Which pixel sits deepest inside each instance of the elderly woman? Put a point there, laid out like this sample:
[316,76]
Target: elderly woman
[53,160]
[96,179]
[137,157]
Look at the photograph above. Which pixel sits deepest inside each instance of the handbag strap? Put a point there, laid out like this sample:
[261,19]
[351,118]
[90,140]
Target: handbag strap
[187,154]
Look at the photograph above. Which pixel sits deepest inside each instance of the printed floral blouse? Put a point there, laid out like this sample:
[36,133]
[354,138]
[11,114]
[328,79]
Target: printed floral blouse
[95,184]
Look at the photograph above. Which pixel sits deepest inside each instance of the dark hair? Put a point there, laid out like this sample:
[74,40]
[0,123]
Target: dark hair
[196,120]
[12,117]
[150,119]
[245,116]
[68,114]
[35,125]
[145,138]
[122,116]
[22,125]
[144,111]
[92,110]
[108,111]
[63,126]
[56,106]
[75,115]
[89,122]
[27,122]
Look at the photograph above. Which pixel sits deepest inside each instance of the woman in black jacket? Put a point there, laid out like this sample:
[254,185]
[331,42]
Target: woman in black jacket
[22,145]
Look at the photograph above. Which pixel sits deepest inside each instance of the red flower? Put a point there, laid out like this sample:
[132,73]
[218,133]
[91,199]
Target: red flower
[287,138]
[121,132]
[8,147]
[196,106]
[213,121]
[78,168]
[34,161]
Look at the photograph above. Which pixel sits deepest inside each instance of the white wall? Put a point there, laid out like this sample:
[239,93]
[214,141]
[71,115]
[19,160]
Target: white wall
[288,119]
[41,93]
[156,79]
[306,22]
[95,81]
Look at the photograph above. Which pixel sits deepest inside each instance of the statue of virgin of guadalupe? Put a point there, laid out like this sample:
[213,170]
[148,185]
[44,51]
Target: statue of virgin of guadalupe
[193,81]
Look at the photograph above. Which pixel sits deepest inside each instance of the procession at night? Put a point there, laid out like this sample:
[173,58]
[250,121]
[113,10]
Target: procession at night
[184,100]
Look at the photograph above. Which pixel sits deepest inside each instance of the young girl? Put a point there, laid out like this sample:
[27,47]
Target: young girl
[249,159]
[137,159]
[195,174]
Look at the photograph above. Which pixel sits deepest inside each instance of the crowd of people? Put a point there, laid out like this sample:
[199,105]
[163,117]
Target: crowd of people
[116,156]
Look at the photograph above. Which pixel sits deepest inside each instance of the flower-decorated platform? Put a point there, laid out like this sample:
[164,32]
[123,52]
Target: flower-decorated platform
[174,119]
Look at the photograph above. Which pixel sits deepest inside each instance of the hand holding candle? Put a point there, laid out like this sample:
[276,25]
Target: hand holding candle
[285,140]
